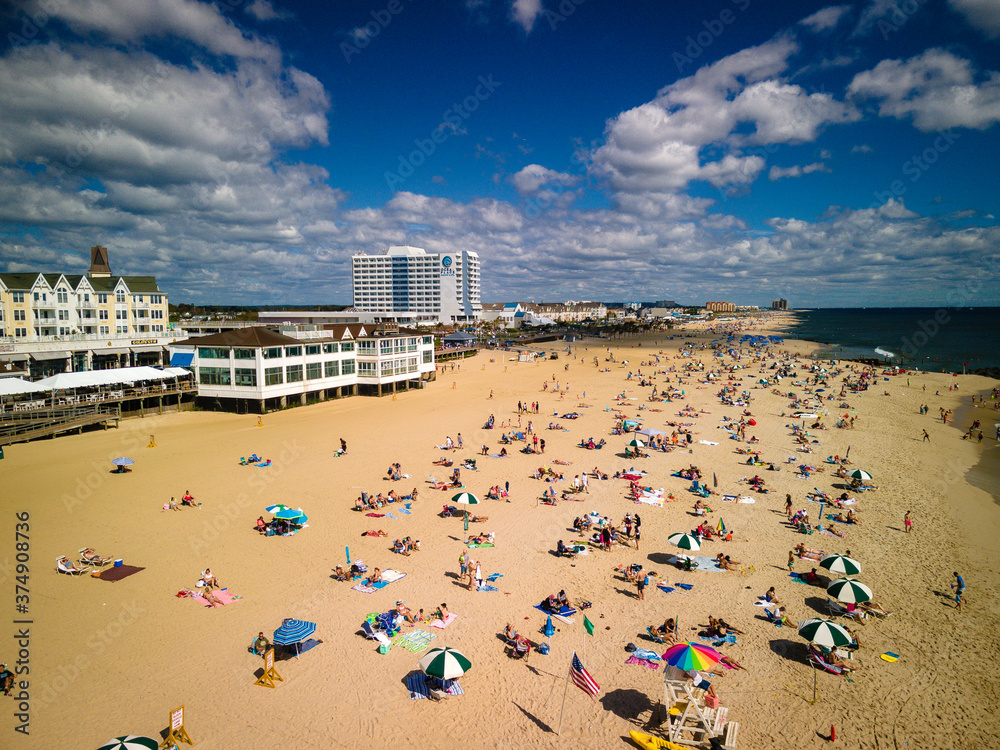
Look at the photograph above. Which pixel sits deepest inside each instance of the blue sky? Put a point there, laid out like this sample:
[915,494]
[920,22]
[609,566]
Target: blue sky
[243,150]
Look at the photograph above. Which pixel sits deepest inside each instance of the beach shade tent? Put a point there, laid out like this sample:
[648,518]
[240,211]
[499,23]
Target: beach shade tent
[649,432]
[825,633]
[849,591]
[122,461]
[842,564]
[630,423]
[691,656]
[445,663]
[685,541]
[130,742]
[293,631]
[465,498]
[860,474]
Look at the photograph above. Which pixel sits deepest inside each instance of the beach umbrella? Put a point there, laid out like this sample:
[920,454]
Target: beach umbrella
[691,656]
[860,474]
[721,527]
[288,514]
[130,742]
[685,541]
[636,443]
[825,633]
[849,591]
[293,631]
[275,508]
[445,663]
[122,461]
[465,498]
[842,564]
[549,630]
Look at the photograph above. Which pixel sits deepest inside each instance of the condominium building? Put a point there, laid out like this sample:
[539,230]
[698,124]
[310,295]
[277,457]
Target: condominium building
[71,319]
[720,307]
[408,284]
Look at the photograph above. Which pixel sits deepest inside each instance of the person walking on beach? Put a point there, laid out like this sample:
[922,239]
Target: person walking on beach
[791,560]
[927,437]
[638,525]
[463,563]
[640,584]
[959,587]
[907,522]
[788,505]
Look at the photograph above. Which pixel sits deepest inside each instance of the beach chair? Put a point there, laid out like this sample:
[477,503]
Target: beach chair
[877,611]
[97,562]
[817,659]
[836,609]
[374,635]
[657,638]
[64,566]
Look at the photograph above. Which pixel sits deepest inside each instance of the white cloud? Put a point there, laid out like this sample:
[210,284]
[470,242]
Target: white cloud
[264,10]
[936,88]
[982,14]
[861,148]
[532,177]
[526,12]
[827,18]
[875,11]
[778,173]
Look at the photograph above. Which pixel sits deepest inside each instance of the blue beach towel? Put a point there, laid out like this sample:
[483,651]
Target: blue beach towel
[494,576]
[685,586]
[487,587]
[664,589]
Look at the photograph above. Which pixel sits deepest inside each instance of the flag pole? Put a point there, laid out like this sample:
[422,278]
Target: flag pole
[563,709]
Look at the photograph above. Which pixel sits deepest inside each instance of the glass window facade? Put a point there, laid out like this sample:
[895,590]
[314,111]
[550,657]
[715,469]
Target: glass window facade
[273,376]
[245,376]
[214,376]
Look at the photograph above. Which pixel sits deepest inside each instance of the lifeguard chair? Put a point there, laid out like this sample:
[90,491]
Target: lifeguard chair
[689,721]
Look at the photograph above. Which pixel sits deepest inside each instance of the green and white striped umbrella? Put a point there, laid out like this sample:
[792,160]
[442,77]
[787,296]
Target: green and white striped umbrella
[861,475]
[465,498]
[685,541]
[130,742]
[635,443]
[445,663]
[824,633]
[849,591]
[842,564]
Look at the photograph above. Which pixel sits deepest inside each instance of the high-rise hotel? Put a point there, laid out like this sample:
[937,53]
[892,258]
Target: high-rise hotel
[408,284]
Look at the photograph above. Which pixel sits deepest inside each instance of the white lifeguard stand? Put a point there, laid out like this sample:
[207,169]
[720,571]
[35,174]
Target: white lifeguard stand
[689,722]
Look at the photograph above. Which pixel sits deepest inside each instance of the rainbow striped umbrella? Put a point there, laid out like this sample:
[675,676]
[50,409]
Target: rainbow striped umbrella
[722,526]
[691,656]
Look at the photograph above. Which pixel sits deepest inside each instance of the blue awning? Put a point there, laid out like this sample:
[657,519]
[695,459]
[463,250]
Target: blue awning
[181,359]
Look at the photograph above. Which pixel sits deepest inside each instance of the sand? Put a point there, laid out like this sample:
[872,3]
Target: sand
[113,658]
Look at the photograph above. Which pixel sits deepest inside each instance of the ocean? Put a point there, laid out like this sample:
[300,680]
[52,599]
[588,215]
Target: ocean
[940,339]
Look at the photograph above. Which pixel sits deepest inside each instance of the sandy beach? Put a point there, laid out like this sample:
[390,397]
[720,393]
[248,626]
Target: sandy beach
[111,658]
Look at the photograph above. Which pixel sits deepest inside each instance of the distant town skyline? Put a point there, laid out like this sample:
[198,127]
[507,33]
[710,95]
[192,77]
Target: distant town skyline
[242,151]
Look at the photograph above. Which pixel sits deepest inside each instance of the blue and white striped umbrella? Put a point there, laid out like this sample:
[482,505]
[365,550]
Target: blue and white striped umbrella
[293,632]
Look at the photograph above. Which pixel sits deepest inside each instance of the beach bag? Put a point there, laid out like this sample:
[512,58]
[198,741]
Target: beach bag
[645,581]
[630,647]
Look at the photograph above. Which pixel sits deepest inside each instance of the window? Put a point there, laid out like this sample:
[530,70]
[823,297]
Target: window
[63,314]
[329,348]
[156,299]
[293,351]
[102,299]
[120,296]
[121,314]
[331,369]
[313,349]
[385,345]
[19,314]
[243,353]
[86,298]
[366,369]
[121,329]
[62,297]
[214,375]
[347,346]
[103,330]
[158,328]
[139,298]
[209,352]
[366,346]
[347,367]
[387,368]
[18,298]
[293,373]
[158,314]
[246,376]
[273,376]
[103,314]
[273,352]
[428,339]
[428,357]
[20,332]
[314,370]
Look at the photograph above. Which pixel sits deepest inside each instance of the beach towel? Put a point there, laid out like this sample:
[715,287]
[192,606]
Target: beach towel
[642,662]
[704,563]
[477,545]
[685,586]
[564,612]
[375,515]
[716,642]
[487,587]
[707,442]
[494,576]
[414,641]
[729,498]
[637,477]
[404,510]
[363,589]
[496,455]
[116,574]
[417,685]
[391,576]
[664,588]
[827,532]
[834,519]
[795,577]
[389,515]
[223,596]
[656,500]
[746,500]
[642,653]
[441,625]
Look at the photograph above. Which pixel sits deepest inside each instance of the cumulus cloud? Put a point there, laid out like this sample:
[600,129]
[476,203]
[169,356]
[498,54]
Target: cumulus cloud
[825,19]
[861,148]
[264,10]
[526,12]
[936,88]
[532,177]
[778,173]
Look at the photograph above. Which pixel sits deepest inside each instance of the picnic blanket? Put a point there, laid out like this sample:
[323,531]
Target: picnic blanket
[704,563]
[441,625]
[414,640]
[642,662]
[564,612]
[116,574]
[416,683]
[223,596]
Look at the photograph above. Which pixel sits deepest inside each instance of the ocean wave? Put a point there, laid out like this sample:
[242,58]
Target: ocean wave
[884,353]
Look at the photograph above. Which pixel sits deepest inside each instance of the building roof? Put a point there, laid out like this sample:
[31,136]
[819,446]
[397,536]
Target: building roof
[24,281]
[251,337]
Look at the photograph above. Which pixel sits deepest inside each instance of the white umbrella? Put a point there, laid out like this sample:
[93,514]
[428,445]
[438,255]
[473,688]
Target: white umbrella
[842,564]
[861,475]
[465,498]
[825,633]
[685,541]
[849,591]
[445,663]
[635,444]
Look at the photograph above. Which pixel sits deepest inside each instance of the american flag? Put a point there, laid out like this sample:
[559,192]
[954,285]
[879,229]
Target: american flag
[581,677]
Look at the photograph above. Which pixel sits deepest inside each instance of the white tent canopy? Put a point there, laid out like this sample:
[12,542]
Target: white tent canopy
[116,376]
[16,386]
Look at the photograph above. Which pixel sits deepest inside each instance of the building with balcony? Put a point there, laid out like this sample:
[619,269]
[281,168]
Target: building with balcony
[58,322]
[409,285]
[720,307]
[257,368]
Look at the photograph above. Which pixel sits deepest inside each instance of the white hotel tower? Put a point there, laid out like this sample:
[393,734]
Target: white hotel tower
[411,285]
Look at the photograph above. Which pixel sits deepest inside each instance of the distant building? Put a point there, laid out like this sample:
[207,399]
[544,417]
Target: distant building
[779,304]
[414,286]
[720,307]
[57,322]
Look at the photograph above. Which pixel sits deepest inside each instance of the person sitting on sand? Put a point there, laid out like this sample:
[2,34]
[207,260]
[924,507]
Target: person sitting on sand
[6,680]
[399,548]
[187,499]
[260,644]
[442,613]
[90,555]
[208,579]
[339,573]
[172,505]
[375,577]
[771,597]
[667,630]
[724,562]
[562,600]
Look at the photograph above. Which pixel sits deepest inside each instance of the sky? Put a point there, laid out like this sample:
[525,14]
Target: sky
[241,151]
